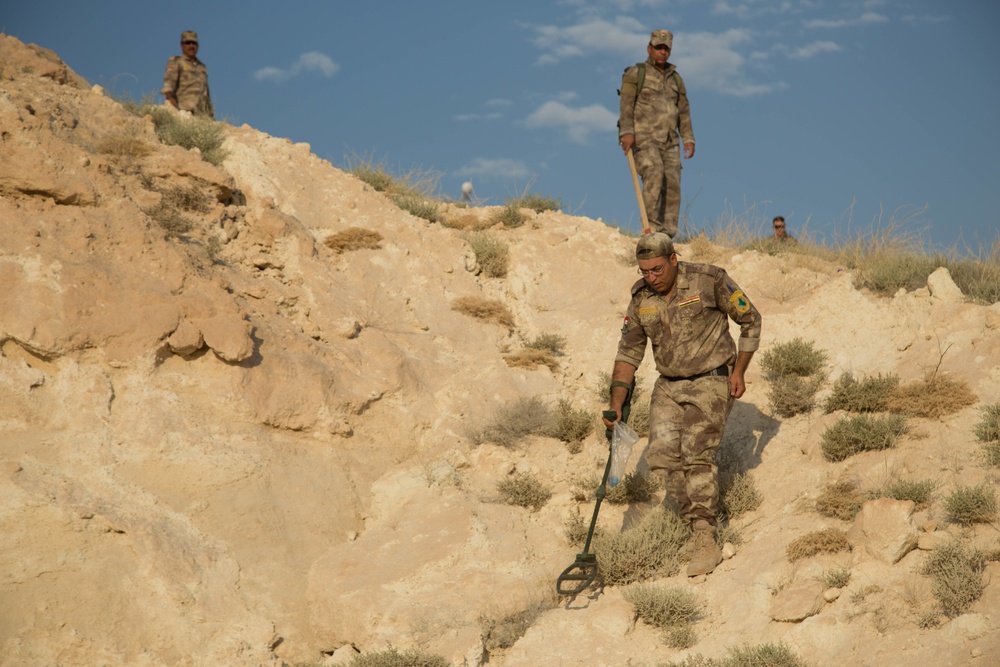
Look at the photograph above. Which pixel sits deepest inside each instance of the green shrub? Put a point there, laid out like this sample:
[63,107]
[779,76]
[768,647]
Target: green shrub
[391,657]
[836,577]
[741,496]
[540,203]
[868,394]
[647,548]
[417,204]
[957,575]
[524,490]
[515,420]
[917,491]
[198,132]
[374,175]
[510,215]
[827,541]
[792,395]
[861,433]
[971,504]
[796,357]
[635,487]
[842,500]
[663,607]
[554,343]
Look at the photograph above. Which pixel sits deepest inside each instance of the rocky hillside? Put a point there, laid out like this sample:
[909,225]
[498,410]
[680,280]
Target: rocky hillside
[230,443]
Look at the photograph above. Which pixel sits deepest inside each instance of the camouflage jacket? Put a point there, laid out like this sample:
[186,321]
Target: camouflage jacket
[187,78]
[660,112]
[689,328]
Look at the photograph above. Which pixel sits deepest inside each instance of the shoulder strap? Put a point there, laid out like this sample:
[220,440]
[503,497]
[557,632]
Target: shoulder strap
[640,78]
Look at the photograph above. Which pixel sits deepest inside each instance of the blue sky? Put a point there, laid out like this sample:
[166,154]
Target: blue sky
[833,114]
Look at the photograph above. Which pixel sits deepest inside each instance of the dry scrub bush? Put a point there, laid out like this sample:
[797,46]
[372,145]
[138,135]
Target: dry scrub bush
[572,425]
[540,203]
[971,504]
[635,487]
[417,204]
[672,609]
[391,657]
[868,394]
[791,395]
[554,343]
[729,533]
[794,373]
[603,387]
[510,215]
[836,577]
[861,433]
[515,420]
[932,398]
[842,500]
[762,655]
[639,417]
[740,495]
[354,238]
[957,574]
[648,548]
[502,631]
[189,199]
[919,492]
[524,490]
[489,310]
[827,541]
[466,222]
[575,529]
[126,145]
[414,192]
[988,432]
[528,358]
[198,132]
[492,253]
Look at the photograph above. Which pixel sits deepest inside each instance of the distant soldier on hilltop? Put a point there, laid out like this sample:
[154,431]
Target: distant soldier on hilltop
[185,81]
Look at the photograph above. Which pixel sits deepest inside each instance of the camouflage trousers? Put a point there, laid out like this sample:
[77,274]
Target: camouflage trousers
[660,168]
[687,419]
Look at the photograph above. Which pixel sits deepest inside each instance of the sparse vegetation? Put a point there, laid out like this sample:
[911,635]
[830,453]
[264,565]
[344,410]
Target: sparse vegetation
[794,373]
[529,358]
[761,655]
[481,308]
[417,204]
[971,504]
[554,343]
[826,541]
[503,630]
[524,489]
[540,203]
[931,398]
[515,420]
[918,491]
[124,145]
[391,657]
[647,548]
[572,424]
[837,577]
[510,215]
[861,433]
[575,529]
[198,132]
[635,487]
[841,500]
[957,574]
[869,394]
[672,609]
[639,417]
[988,432]
[354,238]
[492,253]
[741,495]
[414,192]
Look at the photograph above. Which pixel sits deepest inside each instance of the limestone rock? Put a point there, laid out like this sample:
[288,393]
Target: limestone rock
[932,541]
[942,286]
[186,339]
[884,529]
[797,603]
[228,336]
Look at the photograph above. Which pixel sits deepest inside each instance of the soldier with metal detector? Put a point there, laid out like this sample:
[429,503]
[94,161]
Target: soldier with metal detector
[684,310]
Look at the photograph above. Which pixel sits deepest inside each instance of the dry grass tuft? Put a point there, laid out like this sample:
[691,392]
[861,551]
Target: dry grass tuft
[524,490]
[647,548]
[124,146]
[667,609]
[957,573]
[762,655]
[510,215]
[528,358]
[971,504]
[502,631]
[861,433]
[572,424]
[836,577]
[466,222]
[842,500]
[488,310]
[740,495]
[492,253]
[554,343]
[870,394]
[354,238]
[515,420]
[932,398]
[988,433]
[391,657]
[635,487]
[794,373]
[827,541]
[920,492]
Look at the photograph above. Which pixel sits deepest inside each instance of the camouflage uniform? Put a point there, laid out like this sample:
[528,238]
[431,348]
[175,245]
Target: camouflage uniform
[656,117]
[689,330]
[187,79]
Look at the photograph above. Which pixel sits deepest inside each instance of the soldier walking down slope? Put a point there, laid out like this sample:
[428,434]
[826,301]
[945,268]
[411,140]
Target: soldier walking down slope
[185,80]
[654,113]
[684,310]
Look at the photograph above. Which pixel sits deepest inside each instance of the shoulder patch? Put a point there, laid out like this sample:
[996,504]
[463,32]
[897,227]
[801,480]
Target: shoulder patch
[626,325]
[740,302]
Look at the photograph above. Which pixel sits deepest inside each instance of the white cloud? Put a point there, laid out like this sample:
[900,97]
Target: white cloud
[577,123]
[478,116]
[868,18]
[810,50]
[709,60]
[625,35]
[310,61]
[494,168]
[498,102]
[912,18]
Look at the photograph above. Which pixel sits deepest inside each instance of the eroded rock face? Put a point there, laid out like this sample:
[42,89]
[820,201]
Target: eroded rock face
[884,529]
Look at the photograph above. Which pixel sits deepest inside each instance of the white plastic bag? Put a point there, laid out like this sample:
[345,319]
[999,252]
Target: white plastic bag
[622,438]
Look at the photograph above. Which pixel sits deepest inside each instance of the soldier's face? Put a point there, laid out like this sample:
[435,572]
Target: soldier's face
[190,49]
[779,229]
[659,272]
[658,53]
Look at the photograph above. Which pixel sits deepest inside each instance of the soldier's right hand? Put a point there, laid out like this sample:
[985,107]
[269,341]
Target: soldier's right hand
[608,424]
[628,140]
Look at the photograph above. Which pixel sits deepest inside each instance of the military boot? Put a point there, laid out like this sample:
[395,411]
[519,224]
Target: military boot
[705,554]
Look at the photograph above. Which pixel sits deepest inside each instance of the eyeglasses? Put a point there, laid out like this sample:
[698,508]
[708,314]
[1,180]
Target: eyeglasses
[656,271]
[779,226]
[660,47]
[189,42]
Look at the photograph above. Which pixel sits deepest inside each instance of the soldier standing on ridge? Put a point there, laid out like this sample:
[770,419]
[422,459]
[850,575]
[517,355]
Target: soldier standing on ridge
[654,112]
[684,309]
[780,232]
[185,81]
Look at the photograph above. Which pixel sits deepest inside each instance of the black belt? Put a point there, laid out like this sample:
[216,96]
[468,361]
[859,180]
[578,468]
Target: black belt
[721,370]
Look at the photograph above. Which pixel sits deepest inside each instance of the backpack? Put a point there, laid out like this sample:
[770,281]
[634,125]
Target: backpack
[641,78]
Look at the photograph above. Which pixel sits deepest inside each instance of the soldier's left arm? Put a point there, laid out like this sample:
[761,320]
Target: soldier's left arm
[684,117]
[738,307]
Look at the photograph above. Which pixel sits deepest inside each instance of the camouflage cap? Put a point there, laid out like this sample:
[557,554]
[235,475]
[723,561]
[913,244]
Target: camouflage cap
[662,37]
[189,36]
[653,245]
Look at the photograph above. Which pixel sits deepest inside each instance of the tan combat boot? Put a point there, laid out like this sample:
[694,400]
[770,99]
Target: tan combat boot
[705,553]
